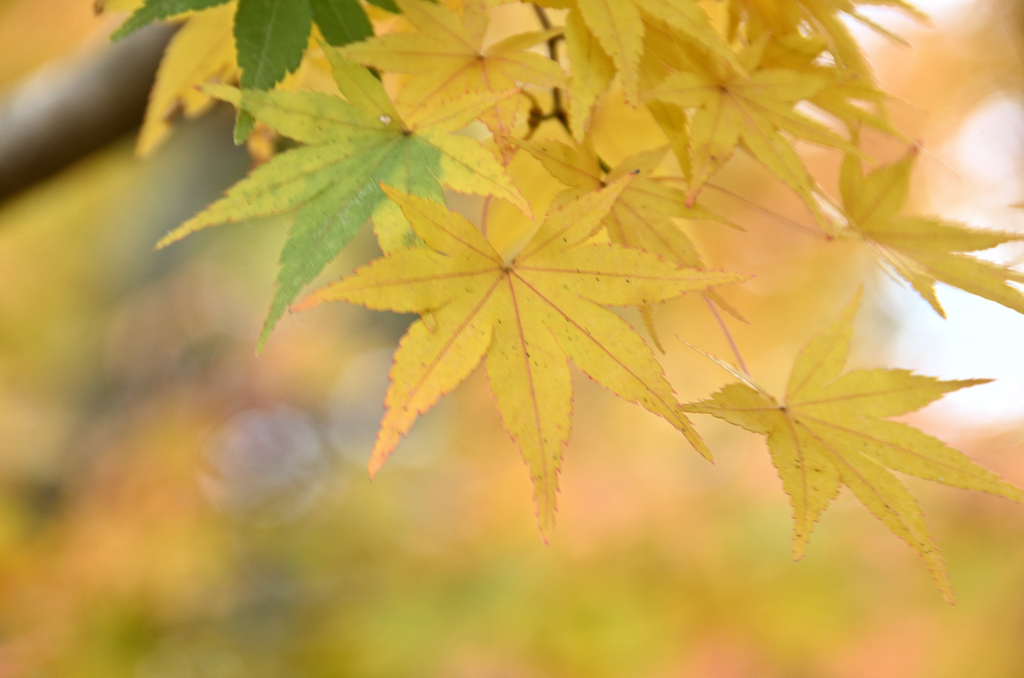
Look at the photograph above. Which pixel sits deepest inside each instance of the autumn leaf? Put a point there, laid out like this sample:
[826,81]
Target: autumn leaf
[592,72]
[351,146]
[923,250]
[644,215]
[850,96]
[529,316]
[203,50]
[832,429]
[822,17]
[270,36]
[603,38]
[754,109]
[617,26]
[448,60]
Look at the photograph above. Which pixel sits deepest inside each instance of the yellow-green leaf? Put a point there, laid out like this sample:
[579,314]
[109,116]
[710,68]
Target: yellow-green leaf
[448,60]
[351,146]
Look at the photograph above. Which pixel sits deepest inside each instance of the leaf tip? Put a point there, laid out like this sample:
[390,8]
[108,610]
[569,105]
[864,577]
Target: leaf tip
[546,532]
[699,445]
[387,439]
[546,521]
[376,462]
[309,301]
[276,311]
[967,383]
[945,587]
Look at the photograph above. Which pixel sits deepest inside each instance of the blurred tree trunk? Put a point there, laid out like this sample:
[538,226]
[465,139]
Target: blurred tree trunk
[68,110]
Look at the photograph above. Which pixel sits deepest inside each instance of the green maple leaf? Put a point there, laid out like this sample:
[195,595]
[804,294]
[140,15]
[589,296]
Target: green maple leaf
[351,147]
[340,21]
[155,10]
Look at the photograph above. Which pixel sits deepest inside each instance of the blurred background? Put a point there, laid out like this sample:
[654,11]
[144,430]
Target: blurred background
[173,506]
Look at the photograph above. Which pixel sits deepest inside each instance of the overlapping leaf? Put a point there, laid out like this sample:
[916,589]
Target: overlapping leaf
[203,50]
[832,429]
[272,24]
[823,17]
[850,95]
[270,37]
[592,72]
[644,215]
[448,61]
[528,316]
[607,36]
[756,109]
[351,146]
[923,250]
[155,10]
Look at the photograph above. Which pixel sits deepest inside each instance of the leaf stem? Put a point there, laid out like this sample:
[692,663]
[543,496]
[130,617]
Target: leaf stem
[485,215]
[768,213]
[728,336]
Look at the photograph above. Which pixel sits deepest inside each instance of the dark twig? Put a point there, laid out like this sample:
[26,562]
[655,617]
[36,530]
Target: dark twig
[558,111]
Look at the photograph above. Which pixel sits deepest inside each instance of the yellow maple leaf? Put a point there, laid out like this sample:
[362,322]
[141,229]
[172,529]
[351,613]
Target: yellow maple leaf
[832,429]
[619,27]
[592,72]
[203,50]
[850,95]
[923,250]
[605,37]
[822,17]
[448,60]
[754,108]
[644,215]
[529,316]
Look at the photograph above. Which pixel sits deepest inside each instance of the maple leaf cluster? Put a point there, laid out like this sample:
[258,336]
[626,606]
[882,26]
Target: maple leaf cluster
[379,97]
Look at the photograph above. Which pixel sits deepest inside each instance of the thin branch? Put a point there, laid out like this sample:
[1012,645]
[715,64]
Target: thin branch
[542,16]
[558,111]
